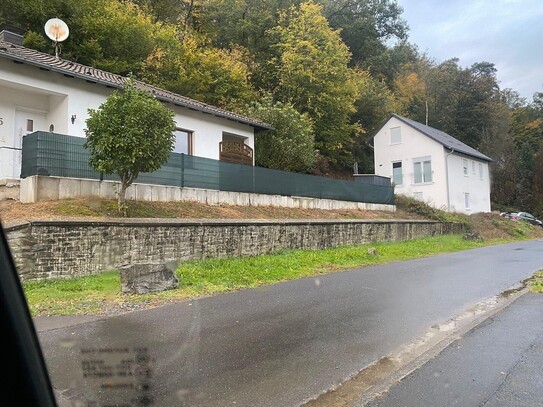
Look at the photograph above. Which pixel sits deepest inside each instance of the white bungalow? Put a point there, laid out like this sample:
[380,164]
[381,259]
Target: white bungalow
[39,92]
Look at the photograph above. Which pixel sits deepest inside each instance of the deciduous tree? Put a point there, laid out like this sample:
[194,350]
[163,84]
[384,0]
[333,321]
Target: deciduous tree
[130,133]
[291,145]
[313,74]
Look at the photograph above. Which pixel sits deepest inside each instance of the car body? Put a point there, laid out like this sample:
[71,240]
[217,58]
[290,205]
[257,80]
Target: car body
[525,216]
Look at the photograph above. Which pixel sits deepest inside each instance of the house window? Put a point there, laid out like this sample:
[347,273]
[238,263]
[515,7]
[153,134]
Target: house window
[397,175]
[466,201]
[473,167]
[422,171]
[417,196]
[465,167]
[395,135]
[480,171]
[29,125]
[183,141]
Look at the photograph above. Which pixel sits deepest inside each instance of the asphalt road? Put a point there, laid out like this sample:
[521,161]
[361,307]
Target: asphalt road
[497,364]
[278,345]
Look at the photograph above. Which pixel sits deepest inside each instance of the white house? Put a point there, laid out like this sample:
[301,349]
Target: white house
[40,92]
[432,166]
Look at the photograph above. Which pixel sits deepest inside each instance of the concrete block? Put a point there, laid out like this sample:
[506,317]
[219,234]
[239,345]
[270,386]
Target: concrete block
[47,188]
[108,189]
[89,187]
[144,192]
[69,188]
[28,190]
[159,193]
[174,194]
[130,193]
[212,197]
[189,194]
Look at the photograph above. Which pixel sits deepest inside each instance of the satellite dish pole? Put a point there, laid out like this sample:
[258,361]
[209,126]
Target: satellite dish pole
[58,31]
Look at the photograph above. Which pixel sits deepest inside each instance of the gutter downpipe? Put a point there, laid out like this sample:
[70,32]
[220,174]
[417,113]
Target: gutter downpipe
[447,178]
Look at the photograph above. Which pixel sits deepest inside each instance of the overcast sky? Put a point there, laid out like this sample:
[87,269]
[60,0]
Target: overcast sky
[508,33]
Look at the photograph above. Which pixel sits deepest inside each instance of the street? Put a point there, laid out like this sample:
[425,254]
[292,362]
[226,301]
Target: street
[497,364]
[283,344]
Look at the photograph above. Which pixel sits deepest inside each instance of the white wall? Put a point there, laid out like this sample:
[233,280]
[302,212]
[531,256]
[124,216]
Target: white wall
[459,184]
[62,97]
[413,145]
[207,130]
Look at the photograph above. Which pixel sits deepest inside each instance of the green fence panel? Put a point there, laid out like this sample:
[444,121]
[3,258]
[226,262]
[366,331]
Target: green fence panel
[65,156]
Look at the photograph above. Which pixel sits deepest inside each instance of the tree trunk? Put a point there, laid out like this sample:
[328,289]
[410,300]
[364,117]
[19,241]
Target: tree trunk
[121,201]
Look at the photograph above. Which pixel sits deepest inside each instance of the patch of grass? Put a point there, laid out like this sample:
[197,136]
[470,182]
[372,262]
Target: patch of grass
[73,208]
[536,282]
[219,275]
[83,295]
[416,207]
[101,294]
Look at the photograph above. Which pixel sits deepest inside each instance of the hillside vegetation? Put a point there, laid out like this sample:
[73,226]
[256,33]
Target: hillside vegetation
[332,69]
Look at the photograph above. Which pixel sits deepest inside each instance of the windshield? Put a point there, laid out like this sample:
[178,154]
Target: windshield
[277,203]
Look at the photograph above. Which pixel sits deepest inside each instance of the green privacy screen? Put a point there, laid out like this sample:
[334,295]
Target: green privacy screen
[65,156]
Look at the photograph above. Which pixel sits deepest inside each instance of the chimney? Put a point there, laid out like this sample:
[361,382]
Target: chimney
[11,37]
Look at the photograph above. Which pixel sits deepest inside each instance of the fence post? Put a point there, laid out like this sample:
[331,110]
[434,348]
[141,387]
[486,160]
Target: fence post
[182,170]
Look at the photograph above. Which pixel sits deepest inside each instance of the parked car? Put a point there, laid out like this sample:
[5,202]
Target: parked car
[528,217]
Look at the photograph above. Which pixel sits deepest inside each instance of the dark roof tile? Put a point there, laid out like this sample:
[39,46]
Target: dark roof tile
[443,138]
[46,61]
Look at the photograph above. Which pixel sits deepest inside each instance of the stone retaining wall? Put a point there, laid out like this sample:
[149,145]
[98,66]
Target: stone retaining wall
[67,249]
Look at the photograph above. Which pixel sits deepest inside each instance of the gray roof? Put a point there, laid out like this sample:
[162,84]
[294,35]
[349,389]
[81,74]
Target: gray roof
[443,138]
[48,62]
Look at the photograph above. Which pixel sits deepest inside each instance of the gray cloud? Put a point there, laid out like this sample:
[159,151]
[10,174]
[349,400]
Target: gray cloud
[508,33]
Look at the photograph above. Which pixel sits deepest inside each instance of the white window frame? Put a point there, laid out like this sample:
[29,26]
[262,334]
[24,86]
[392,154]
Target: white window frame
[473,167]
[401,173]
[467,204]
[398,139]
[465,167]
[422,161]
[481,170]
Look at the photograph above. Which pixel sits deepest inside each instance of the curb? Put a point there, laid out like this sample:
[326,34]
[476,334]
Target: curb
[376,378]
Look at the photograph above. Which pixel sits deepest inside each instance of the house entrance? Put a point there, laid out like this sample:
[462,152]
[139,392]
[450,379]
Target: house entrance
[26,121]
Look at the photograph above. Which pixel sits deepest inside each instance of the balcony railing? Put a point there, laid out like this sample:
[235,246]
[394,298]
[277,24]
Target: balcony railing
[235,152]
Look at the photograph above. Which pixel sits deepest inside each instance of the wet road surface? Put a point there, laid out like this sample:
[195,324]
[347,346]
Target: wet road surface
[497,364]
[283,344]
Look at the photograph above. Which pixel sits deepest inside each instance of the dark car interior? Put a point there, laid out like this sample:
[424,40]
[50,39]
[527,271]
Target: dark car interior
[25,380]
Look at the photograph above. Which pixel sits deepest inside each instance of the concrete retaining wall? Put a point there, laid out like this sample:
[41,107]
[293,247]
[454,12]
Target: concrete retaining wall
[41,188]
[67,249]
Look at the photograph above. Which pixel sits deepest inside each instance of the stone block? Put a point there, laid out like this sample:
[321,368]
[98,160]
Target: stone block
[90,188]
[69,188]
[147,278]
[47,188]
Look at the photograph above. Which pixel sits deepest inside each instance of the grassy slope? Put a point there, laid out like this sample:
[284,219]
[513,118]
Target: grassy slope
[101,294]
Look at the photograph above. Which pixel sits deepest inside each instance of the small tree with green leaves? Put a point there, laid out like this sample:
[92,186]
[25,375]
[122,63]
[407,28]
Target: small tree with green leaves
[131,133]
[291,145]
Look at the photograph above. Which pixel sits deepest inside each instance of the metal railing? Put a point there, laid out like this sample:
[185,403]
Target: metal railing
[65,156]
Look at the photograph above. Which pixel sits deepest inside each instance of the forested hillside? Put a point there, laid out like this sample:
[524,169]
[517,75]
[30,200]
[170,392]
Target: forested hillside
[325,73]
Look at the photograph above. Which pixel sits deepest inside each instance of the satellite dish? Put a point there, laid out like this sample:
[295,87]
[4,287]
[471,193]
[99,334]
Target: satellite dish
[57,30]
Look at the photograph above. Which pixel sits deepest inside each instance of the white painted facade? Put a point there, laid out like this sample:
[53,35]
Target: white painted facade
[32,99]
[429,171]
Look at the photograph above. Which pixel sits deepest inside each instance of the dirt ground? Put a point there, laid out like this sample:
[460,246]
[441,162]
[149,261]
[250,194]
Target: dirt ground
[484,225]
[91,208]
